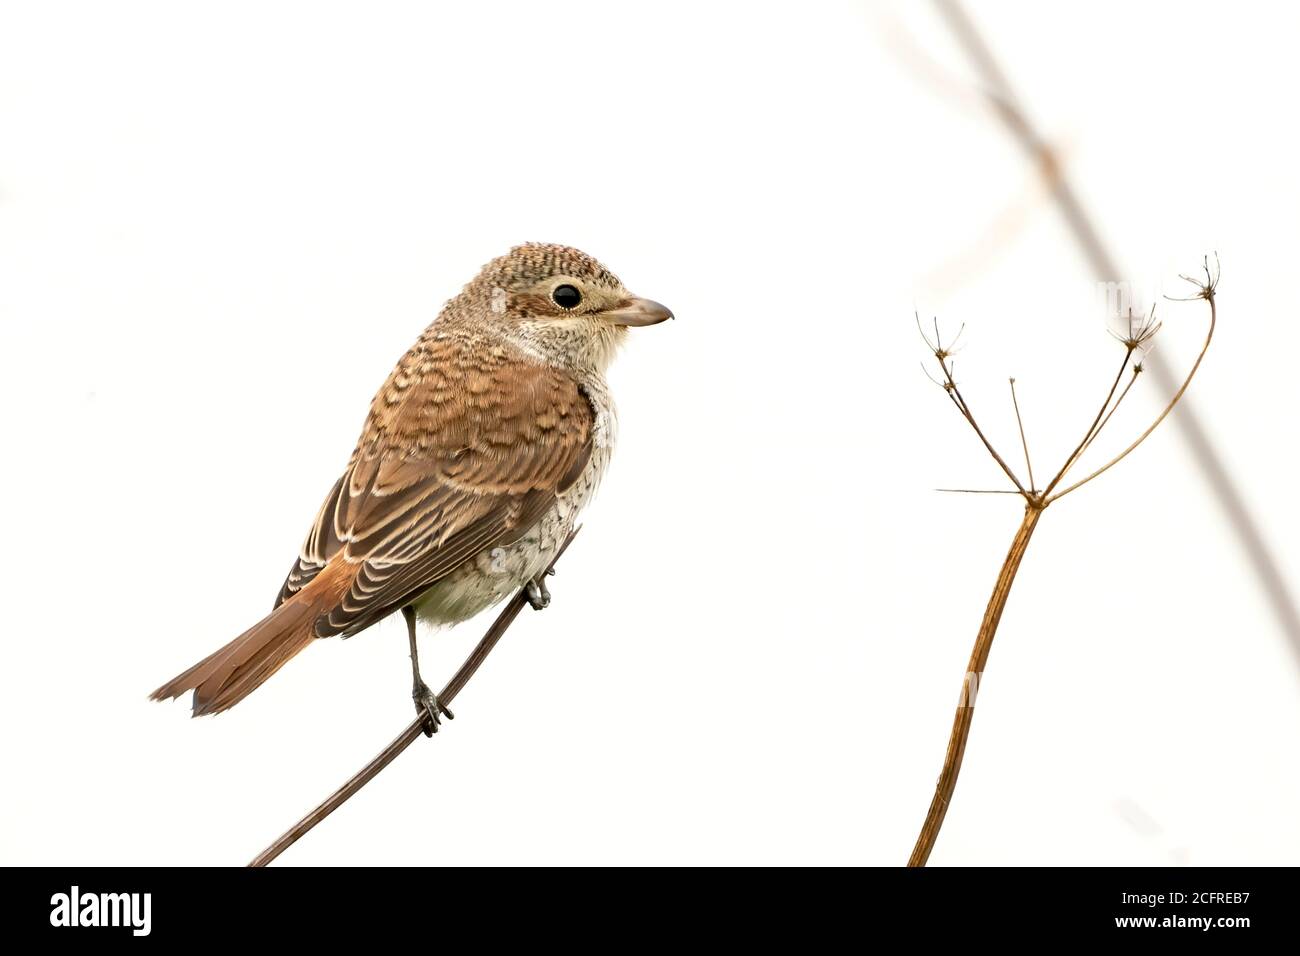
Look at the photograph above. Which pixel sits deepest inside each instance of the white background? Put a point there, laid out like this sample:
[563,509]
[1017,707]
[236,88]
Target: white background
[220,225]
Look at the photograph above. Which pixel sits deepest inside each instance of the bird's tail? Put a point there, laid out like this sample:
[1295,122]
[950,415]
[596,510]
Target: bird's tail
[226,677]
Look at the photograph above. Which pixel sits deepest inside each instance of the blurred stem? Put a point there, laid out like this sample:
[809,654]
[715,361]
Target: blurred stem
[979,656]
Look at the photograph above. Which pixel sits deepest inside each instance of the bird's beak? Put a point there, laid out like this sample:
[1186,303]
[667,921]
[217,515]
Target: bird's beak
[637,312]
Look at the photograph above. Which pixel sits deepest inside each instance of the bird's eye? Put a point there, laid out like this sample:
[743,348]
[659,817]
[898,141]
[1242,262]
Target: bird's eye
[566,296]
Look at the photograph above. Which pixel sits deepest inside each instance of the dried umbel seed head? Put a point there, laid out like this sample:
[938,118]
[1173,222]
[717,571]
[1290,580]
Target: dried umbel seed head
[1141,330]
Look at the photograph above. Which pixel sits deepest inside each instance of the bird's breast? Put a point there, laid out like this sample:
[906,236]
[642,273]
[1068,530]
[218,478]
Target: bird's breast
[501,570]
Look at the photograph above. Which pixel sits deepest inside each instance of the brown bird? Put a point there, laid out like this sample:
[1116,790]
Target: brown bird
[479,451]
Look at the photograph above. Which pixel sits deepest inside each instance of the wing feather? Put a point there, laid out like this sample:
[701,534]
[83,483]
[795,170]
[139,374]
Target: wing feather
[465,448]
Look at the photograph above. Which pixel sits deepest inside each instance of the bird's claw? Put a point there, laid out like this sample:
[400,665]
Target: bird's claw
[430,707]
[539,596]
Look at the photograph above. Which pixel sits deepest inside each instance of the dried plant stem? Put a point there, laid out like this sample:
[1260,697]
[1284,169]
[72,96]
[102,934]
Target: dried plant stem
[961,722]
[1020,423]
[1035,503]
[413,732]
[1208,296]
[1093,429]
[996,87]
[943,355]
[962,407]
[1134,372]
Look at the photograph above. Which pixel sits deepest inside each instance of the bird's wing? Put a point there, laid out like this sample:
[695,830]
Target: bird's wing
[322,541]
[463,450]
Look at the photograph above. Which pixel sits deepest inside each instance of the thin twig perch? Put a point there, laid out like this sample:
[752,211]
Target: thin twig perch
[414,731]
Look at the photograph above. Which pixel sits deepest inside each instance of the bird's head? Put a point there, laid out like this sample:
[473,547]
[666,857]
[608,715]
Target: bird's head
[557,303]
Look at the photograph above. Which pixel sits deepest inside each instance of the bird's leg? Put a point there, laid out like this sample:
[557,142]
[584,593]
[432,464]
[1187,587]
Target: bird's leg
[426,702]
[539,595]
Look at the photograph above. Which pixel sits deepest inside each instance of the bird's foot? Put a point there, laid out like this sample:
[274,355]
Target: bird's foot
[428,705]
[539,595]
